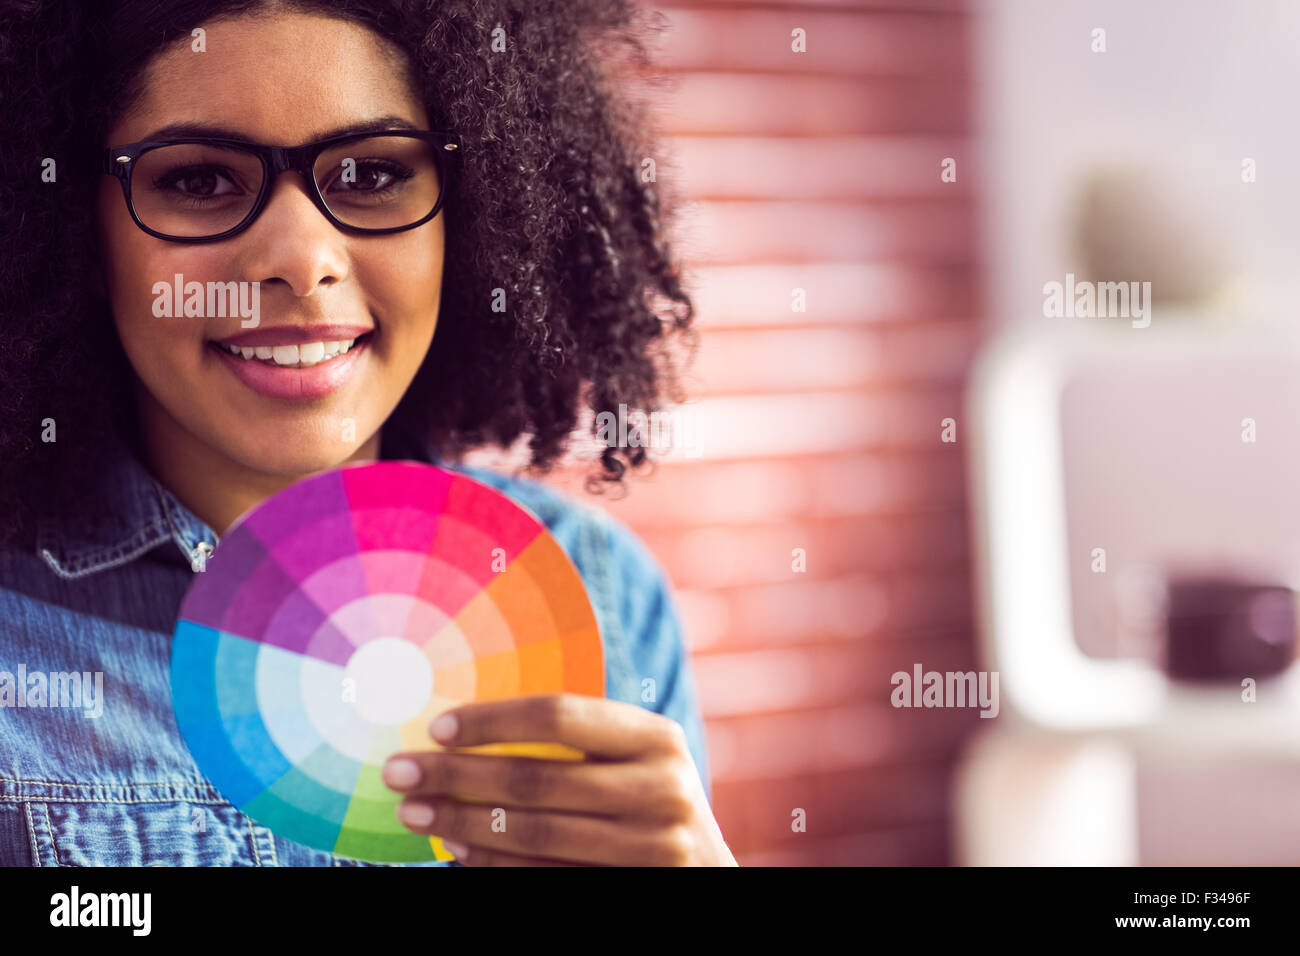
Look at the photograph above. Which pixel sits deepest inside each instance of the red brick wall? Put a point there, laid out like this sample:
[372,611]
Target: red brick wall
[821,171]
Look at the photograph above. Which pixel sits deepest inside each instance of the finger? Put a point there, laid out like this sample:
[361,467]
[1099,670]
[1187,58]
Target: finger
[595,725]
[483,856]
[548,834]
[612,789]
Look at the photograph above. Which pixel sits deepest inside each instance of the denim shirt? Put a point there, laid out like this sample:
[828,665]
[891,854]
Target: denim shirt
[101,592]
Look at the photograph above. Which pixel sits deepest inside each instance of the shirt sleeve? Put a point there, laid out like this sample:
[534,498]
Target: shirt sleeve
[657,648]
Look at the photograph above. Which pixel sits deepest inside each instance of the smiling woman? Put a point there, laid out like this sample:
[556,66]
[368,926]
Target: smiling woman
[438,263]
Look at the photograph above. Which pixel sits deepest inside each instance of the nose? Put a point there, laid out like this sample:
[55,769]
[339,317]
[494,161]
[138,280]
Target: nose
[292,242]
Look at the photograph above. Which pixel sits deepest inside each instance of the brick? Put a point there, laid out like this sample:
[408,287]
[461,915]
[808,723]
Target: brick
[758,425]
[783,104]
[719,556]
[932,232]
[835,293]
[853,607]
[847,802]
[784,360]
[763,747]
[792,359]
[748,167]
[857,44]
[793,678]
[762,424]
[684,493]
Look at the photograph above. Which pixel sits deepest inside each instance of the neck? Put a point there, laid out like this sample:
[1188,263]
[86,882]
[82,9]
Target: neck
[214,487]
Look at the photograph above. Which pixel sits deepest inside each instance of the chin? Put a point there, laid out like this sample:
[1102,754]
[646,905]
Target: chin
[295,458]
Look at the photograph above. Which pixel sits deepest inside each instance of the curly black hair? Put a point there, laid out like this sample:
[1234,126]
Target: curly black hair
[547,203]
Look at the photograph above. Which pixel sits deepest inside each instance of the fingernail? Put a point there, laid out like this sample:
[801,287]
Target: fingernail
[415,814]
[455,849]
[401,774]
[445,727]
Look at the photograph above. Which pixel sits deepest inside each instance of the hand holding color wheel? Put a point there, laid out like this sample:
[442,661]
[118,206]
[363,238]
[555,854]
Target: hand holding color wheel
[336,620]
[636,800]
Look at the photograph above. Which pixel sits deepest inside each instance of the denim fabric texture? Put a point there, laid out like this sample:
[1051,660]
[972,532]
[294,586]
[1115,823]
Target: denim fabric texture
[100,593]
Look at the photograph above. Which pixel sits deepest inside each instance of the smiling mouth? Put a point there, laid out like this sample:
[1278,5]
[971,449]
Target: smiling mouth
[305,355]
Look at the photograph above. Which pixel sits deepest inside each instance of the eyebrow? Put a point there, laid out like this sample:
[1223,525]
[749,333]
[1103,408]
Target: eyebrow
[181,130]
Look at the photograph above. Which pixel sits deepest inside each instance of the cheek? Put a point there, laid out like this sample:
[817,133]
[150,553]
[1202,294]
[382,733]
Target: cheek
[132,262]
[150,338]
[158,347]
[404,285]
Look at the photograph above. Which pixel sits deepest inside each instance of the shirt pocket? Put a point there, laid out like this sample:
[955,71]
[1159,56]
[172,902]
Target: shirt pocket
[146,833]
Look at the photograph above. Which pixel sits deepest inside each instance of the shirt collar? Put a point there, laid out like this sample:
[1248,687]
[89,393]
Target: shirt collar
[128,513]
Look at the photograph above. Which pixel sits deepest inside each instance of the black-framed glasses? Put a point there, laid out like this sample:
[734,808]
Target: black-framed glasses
[202,188]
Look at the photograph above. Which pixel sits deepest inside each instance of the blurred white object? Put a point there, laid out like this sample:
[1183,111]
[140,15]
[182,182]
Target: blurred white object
[1029,801]
[1139,431]
[1193,508]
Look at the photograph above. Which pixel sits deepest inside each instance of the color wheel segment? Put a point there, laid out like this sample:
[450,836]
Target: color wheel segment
[337,619]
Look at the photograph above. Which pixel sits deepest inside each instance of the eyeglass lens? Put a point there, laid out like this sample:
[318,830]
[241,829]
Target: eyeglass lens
[194,190]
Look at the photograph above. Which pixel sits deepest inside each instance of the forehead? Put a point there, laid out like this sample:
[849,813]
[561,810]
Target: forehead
[278,79]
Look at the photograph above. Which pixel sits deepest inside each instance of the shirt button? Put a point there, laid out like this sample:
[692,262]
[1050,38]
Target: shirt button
[199,556]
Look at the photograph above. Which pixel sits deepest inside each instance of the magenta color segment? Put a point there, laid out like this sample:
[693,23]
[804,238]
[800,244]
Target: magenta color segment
[300,626]
[296,507]
[263,590]
[337,585]
[404,486]
[407,528]
[404,616]
[392,572]
[214,588]
[319,541]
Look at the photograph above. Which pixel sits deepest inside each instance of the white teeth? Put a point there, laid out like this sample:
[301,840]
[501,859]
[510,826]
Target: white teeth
[300,356]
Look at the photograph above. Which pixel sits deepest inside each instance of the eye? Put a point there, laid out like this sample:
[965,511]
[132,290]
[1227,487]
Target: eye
[198,182]
[372,176]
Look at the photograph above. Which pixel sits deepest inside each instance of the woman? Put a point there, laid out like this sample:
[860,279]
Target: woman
[458,249]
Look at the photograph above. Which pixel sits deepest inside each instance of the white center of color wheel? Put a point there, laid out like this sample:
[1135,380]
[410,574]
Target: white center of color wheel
[392,679]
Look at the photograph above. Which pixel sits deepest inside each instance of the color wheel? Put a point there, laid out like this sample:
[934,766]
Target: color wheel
[337,619]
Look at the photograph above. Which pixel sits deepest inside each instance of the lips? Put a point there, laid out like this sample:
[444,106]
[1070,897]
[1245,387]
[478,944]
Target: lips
[289,382]
[295,335]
